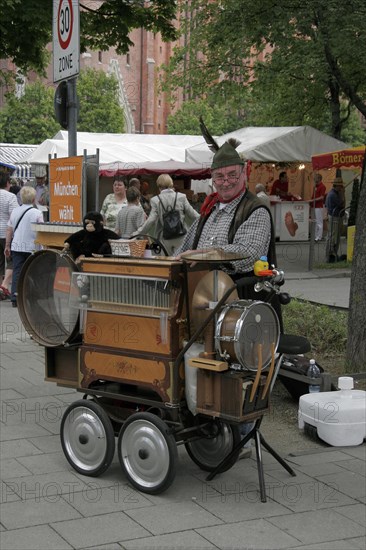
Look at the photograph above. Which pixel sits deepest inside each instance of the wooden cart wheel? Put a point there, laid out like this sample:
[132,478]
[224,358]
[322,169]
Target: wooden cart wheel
[147,452]
[87,437]
[218,438]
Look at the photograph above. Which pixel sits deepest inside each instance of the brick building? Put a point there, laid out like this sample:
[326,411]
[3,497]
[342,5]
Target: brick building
[146,108]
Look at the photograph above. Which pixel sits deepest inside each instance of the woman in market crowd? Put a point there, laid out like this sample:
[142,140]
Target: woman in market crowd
[163,202]
[20,235]
[113,203]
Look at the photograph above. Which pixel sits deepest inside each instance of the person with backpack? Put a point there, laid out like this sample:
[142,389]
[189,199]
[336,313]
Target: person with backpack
[170,217]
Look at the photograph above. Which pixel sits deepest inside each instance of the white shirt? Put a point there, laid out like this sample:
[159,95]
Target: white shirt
[7,205]
[23,238]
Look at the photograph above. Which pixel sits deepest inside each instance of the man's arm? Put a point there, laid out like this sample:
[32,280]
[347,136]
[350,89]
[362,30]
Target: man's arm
[252,239]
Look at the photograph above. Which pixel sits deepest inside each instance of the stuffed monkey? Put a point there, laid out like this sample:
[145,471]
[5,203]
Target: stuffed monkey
[92,240]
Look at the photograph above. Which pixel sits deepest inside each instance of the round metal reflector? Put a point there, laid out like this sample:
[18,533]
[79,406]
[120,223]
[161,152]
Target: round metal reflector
[44,291]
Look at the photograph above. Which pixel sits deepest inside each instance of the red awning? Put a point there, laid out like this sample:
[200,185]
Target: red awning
[345,158]
[174,168]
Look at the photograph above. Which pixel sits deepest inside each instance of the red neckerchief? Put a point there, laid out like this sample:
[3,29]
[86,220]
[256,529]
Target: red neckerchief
[213,199]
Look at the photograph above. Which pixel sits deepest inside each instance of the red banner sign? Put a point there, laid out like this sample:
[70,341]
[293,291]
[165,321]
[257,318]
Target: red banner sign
[346,158]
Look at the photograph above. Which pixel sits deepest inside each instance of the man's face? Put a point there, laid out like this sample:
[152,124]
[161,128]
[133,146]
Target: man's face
[317,179]
[228,181]
[41,181]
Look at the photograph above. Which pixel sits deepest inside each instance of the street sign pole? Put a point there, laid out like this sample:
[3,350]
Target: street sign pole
[66,58]
[72,116]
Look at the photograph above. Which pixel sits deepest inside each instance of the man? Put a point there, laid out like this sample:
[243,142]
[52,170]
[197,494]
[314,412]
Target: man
[280,188]
[260,191]
[239,222]
[8,202]
[317,202]
[335,208]
[42,191]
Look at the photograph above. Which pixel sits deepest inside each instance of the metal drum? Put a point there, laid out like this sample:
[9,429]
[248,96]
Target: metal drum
[243,325]
[44,290]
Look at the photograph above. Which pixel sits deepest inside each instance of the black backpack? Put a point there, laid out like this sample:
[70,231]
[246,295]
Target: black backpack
[172,224]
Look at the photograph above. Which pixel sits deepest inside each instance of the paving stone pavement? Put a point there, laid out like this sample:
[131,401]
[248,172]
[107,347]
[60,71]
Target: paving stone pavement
[46,504]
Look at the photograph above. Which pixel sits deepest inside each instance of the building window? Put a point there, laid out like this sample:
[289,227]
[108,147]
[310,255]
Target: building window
[127,59]
[159,102]
[100,57]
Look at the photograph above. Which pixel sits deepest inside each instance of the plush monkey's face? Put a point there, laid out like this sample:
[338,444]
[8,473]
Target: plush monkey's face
[93,222]
[89,225]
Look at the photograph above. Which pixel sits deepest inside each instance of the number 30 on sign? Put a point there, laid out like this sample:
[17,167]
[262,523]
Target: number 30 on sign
[66,39]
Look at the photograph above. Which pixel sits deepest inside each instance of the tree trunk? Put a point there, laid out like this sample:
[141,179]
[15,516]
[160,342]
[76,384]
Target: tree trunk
[356,344]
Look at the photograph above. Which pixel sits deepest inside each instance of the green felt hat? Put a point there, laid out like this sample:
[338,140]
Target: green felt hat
[226,155]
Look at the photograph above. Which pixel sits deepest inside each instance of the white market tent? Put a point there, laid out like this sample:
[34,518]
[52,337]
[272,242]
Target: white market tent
[271,144]
[11,155]
[128,154]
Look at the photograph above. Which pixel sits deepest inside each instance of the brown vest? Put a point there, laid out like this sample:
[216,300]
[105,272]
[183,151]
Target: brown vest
[247,205]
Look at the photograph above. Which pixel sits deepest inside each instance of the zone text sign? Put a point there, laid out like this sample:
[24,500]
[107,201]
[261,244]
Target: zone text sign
[66,39]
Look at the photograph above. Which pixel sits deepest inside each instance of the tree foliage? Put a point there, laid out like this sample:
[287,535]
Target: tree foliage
[99,108]
[288,62]
[220,119]
[31,119]
[26,27]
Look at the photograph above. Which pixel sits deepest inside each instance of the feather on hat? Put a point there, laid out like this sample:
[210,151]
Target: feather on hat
[226,155]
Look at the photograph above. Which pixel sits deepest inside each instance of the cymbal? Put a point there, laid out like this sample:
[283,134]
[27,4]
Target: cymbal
[204,293]
[217,255]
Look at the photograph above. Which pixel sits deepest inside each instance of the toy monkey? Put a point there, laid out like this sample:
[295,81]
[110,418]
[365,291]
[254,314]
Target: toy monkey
[92,240]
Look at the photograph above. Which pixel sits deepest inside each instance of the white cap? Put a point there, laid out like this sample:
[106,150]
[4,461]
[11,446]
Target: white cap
[40,171]
[345,383]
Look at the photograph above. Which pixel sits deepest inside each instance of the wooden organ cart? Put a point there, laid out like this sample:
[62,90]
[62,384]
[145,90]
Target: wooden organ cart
[163,354]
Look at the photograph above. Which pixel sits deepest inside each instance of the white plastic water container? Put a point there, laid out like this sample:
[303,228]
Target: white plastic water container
[191,376]
[338,416]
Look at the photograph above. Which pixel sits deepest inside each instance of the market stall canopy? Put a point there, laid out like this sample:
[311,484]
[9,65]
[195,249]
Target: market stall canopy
[344,158]
[271,144]
[11,155]
[128,154]
[175,168]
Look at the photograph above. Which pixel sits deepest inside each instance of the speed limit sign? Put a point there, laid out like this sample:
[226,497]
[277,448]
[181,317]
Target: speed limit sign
[66,39]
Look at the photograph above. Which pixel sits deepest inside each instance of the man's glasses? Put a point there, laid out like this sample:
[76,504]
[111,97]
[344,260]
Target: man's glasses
[220,179]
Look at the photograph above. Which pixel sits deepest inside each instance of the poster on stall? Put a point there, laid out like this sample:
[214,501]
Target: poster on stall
[294,221]
[66,190]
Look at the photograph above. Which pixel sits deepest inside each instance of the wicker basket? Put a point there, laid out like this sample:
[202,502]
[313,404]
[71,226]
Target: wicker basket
[125,247]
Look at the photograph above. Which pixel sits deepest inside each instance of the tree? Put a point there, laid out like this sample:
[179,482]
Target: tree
[31,119]
[26,27]
[301,61]
[220,119]
[99,108]
[356,342]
